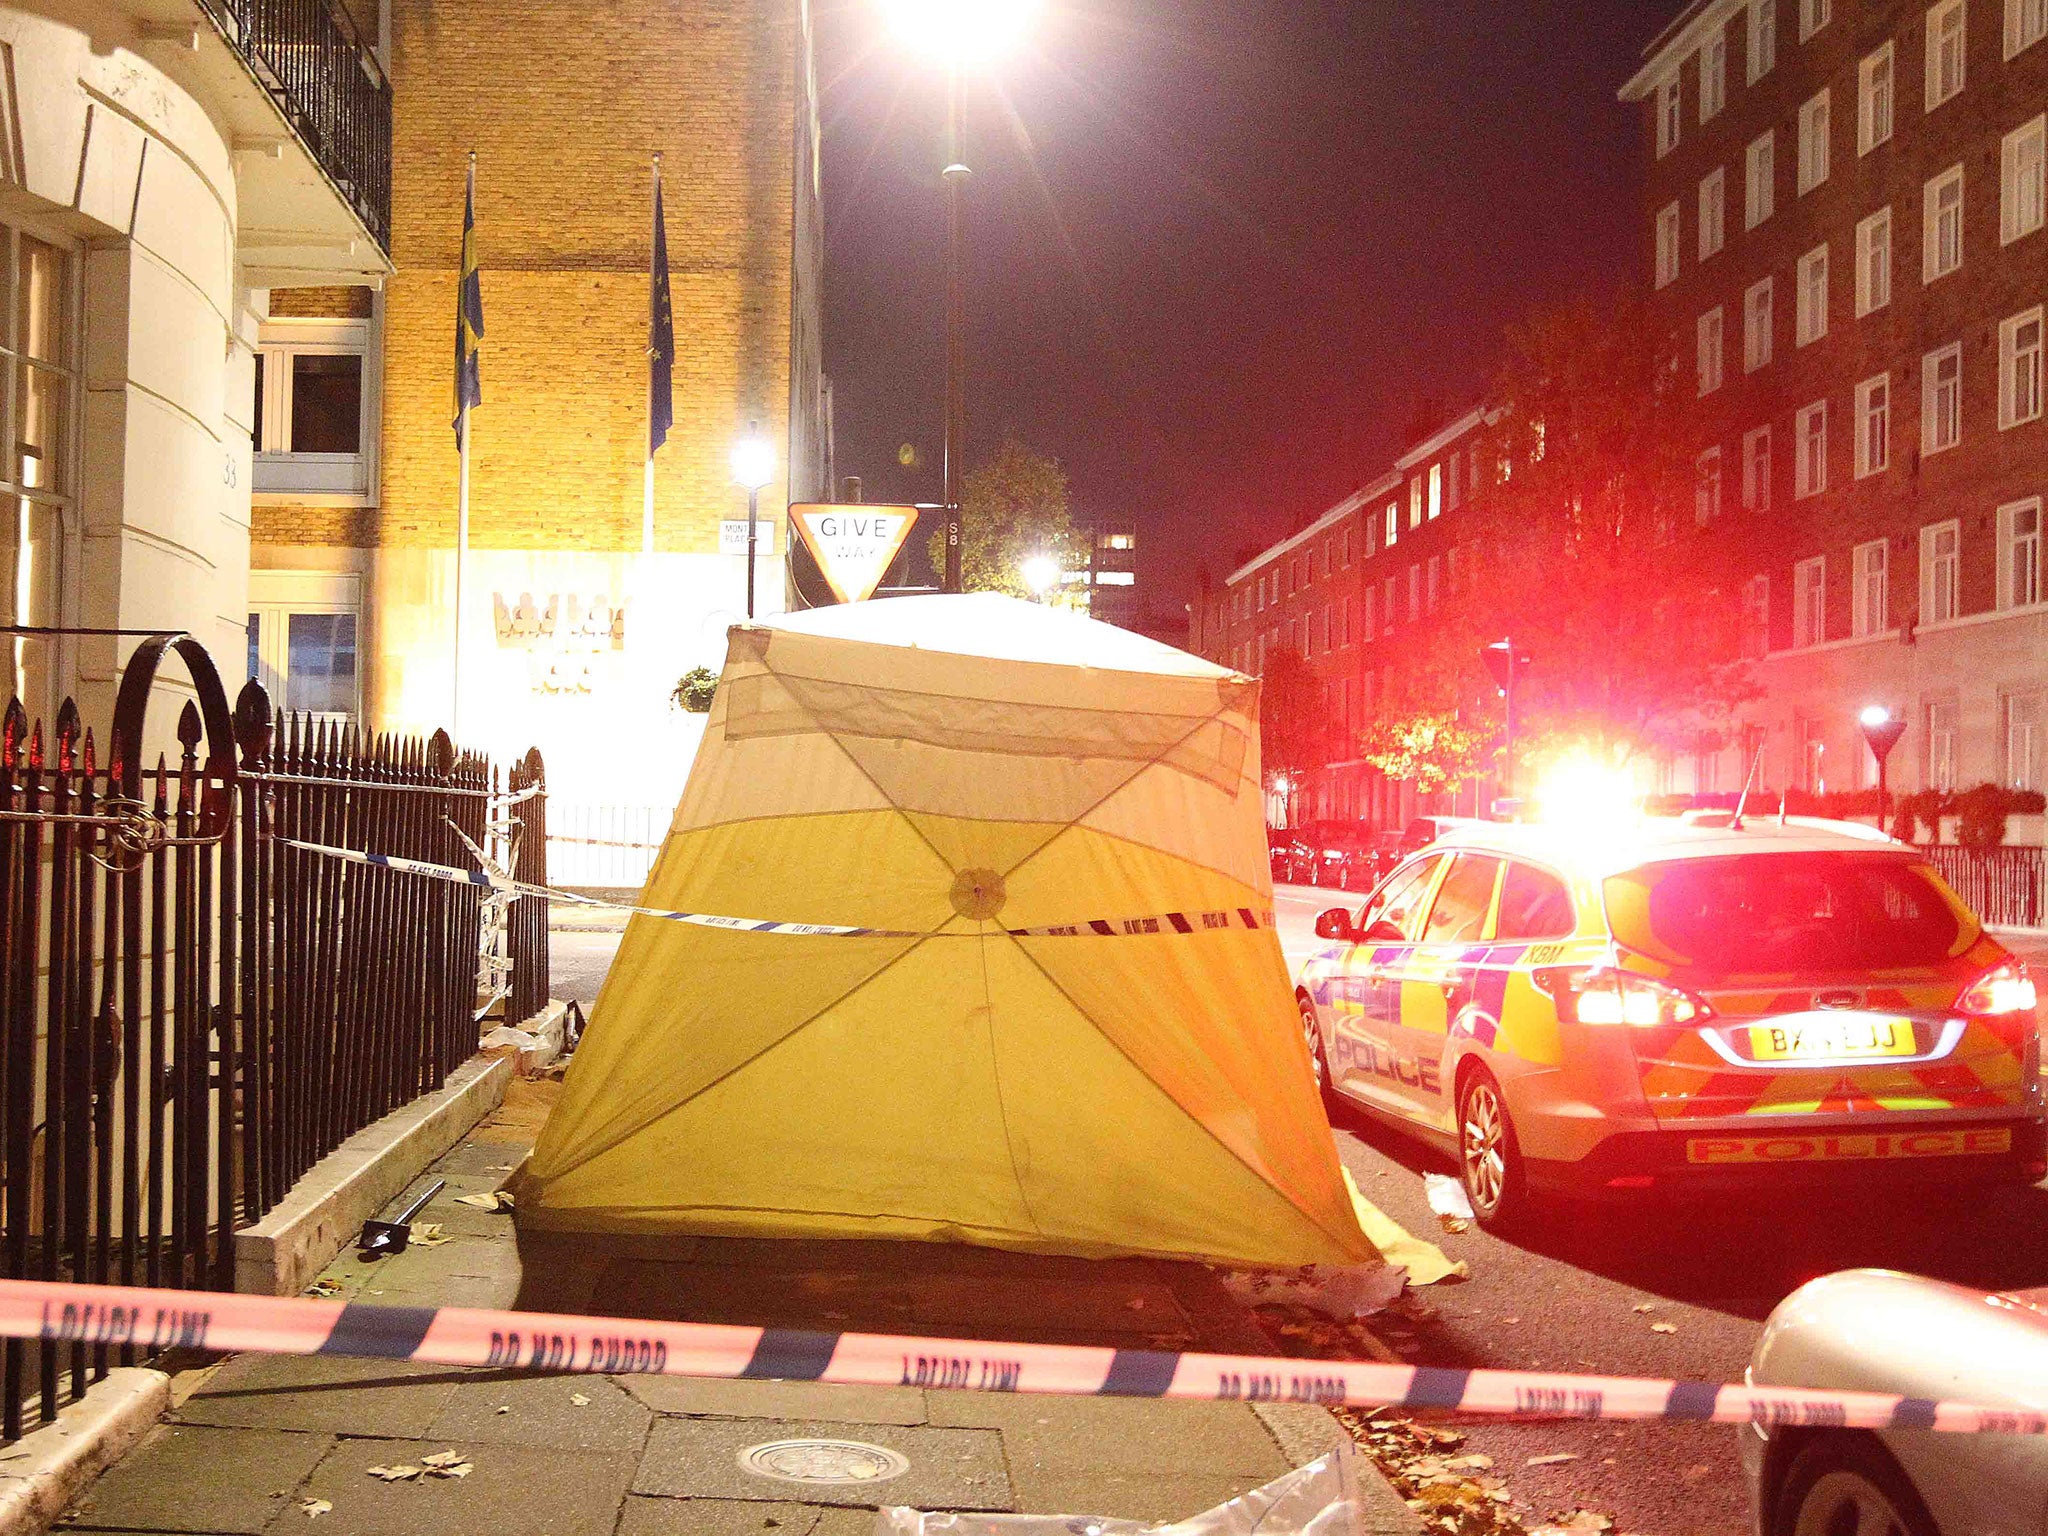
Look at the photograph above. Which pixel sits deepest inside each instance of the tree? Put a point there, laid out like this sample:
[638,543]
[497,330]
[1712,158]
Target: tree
[1012,508]
[1292,730]
[1596,559]
[1433,750]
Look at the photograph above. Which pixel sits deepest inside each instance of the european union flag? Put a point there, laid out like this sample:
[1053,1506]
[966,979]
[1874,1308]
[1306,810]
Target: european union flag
[661,339]
[469,318]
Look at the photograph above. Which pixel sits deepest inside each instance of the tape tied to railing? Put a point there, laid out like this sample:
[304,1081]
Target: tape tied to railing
[493,878]
[152,1320]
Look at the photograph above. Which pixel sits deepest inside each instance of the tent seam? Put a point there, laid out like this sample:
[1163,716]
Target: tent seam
[996,1076]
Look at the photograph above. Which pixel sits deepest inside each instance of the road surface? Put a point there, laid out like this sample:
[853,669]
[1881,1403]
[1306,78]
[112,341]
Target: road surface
[1567,1299]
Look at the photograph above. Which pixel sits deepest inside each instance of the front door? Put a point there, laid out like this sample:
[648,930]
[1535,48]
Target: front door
[1441,972]
[1362,1059]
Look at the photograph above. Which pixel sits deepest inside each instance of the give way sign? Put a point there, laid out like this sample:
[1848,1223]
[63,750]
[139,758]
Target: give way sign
[853,544]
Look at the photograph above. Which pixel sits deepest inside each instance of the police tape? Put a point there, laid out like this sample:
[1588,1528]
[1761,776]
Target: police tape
[151,1320]
[492,877]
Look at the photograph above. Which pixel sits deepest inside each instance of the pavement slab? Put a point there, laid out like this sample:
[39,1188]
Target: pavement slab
[322,1393]
[1128,1496]
[949,1468]
[1043,1435]
[778,1400]
[512,1491]
[644,1516]
[196,1479]
[544,1411]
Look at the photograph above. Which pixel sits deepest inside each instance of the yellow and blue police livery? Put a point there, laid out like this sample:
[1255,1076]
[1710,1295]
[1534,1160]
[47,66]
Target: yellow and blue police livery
[1692,1002]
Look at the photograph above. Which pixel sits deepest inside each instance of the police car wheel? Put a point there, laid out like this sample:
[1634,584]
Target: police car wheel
[1847,1482]
[1317,1060]
[1489,1161]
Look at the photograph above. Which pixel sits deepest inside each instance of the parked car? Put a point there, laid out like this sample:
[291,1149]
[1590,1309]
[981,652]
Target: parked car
[1877,1331]
[1679,1006]
[1341,849]
[1288,850]
[1424,830]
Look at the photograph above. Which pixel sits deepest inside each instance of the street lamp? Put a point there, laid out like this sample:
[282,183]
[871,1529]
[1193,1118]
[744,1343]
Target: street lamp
[1506,661]
[961,33]
[1041,574]
[1882,729]
[753,466]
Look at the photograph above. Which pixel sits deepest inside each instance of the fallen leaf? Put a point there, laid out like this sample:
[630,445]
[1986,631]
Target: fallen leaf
[441,1459]
[1556,1460]
[324,1287]
[1511,1320]
[496,1200]
[1472,1463]
[579,1399]
[504,1410]
[459,1469]
[1644,1306]
[313,1509]
[398,1474]
[1663,1327]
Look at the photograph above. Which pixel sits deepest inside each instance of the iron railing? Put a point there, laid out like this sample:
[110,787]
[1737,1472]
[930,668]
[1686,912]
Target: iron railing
[192,1012]
[328,84]
[2003,886]
[606,847]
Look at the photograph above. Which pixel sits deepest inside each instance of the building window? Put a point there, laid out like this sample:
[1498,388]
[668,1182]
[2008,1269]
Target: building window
[1874,100]
[1709,329]
[1940,571]
[1393,525]
[1868,597]
[1813,143]
[1874,262]
[1756,326]
[2021,164]
[1942,224]
[1457,493]
[1714,74]
[1873,425]
[1667,245]
[1372,615]
[1756,470]
[1760,172]
[1415,501]
[1436,491]
[2026,23]
[2026,739]
[1713,212]
[1756,613]
[2019,369]
[1945,49]
[1668,114]
[2019,553]
[1763,38]
[1812,450]
[1813,296]
[1706,490]
[1414,593]
[1810,602]
[1941,745]
[39,410]
[1433,584]
[1941,399]
[1813,15]
[302,640]
[311,431]
[1387,612]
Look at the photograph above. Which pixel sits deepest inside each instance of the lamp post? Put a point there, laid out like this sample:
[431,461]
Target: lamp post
[960,33]
[1506,660]
[753,466]
[1882,729]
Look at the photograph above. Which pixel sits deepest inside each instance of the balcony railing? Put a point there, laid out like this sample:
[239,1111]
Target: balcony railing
[328,84]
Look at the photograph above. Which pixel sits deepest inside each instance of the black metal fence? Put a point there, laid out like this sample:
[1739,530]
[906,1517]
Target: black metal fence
[192,1011]
[2002,885]
[326,80]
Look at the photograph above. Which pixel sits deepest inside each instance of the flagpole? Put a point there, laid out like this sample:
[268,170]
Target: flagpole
[461,491]
[647,480]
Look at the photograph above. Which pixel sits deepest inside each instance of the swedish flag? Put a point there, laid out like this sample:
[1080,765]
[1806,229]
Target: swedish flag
[469,317]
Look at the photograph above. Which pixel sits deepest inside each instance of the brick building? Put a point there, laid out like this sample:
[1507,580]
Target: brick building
[1353,593]
[1842,228]
[573,633]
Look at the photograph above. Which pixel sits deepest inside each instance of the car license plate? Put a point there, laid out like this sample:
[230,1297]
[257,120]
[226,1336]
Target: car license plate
[1850,1146]
[1830,1039]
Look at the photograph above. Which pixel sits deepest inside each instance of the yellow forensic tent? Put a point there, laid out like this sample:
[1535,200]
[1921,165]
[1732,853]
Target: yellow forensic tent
[950,770]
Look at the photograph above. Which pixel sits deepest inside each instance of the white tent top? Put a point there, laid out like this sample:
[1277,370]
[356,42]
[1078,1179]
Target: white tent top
[1001,628]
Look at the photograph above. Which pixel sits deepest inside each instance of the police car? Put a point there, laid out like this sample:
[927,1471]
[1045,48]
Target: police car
[1679,1003]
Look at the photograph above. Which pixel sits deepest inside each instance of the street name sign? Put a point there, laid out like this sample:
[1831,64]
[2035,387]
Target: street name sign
[732,537]
[854,545]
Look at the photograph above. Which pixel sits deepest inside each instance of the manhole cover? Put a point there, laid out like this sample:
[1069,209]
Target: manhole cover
[823,1461]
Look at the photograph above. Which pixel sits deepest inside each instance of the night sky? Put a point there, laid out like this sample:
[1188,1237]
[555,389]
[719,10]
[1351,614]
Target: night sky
[1223,253]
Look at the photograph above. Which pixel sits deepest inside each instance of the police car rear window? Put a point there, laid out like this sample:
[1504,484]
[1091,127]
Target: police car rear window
[1781,912]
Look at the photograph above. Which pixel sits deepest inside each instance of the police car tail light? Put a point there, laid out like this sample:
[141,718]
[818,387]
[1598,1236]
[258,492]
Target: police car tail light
[1616,997]
[2002,990]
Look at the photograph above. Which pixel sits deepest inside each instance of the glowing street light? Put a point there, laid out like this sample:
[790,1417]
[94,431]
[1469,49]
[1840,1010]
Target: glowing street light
[1882,729]
[753,466]
[960,34]
[1041,574]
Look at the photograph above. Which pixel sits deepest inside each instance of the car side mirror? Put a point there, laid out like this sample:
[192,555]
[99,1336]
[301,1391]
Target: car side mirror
[1335,924]
[1383,932]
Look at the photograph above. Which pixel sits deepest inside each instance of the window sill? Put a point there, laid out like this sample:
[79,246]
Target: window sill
[311,499]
